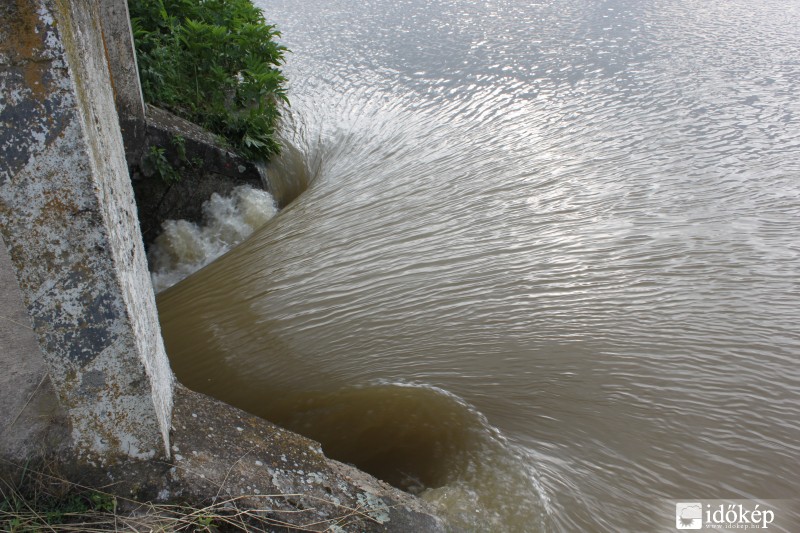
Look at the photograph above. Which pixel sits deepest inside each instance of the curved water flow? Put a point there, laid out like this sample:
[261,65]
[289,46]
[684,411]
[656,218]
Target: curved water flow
[546,274]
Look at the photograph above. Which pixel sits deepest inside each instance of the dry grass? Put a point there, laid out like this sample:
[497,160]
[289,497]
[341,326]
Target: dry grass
[41,500]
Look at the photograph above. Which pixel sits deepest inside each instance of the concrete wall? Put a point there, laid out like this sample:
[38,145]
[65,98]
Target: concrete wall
[68,219]
[121,56]
[31,420]
[206,166]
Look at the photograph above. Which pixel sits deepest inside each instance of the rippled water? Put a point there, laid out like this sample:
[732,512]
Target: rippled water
[546,273]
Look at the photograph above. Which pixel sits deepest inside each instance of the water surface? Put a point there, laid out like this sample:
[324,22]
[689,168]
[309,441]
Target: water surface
[546,273]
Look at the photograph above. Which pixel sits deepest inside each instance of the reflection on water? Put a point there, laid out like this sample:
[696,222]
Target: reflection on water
[572,225]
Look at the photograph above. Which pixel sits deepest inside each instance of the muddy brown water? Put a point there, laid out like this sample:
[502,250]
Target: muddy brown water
[546,272]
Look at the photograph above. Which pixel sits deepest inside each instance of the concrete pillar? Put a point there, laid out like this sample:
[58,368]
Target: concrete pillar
[68,219]
[115,22]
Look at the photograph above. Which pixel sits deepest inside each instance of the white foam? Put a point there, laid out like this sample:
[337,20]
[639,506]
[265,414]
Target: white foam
[184,247]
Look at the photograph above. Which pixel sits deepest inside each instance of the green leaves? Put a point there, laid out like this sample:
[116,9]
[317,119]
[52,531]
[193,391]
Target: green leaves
[213,62]
[155,163]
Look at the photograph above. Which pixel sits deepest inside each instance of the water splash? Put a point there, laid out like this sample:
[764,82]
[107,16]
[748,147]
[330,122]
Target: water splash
[184,247]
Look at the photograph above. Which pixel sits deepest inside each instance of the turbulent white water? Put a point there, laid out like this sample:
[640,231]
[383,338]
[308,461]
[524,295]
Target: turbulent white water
[547,270]
[184,247]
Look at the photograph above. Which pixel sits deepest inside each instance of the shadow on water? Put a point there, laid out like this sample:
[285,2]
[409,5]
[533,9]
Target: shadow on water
[411,437]
[427,442]
[420,439]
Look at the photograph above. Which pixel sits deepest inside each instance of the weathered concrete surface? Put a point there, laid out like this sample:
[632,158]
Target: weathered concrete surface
[68,219]
[207,168]
[118,42]
[221,450]
[31,420]
[221,453]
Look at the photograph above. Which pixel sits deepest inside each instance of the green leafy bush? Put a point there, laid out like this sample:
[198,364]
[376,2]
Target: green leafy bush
[215,63]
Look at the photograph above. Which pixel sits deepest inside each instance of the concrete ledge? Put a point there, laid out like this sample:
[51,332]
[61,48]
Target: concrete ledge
[219,449]
[220,452]
[115,22]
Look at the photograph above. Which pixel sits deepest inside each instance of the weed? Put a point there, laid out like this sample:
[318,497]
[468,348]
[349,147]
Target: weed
[155,163]
[213,62]
[179,144]
[40,499]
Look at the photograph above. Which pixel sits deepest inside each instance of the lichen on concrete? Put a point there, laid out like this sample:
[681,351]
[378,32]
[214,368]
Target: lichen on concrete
[69,221]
